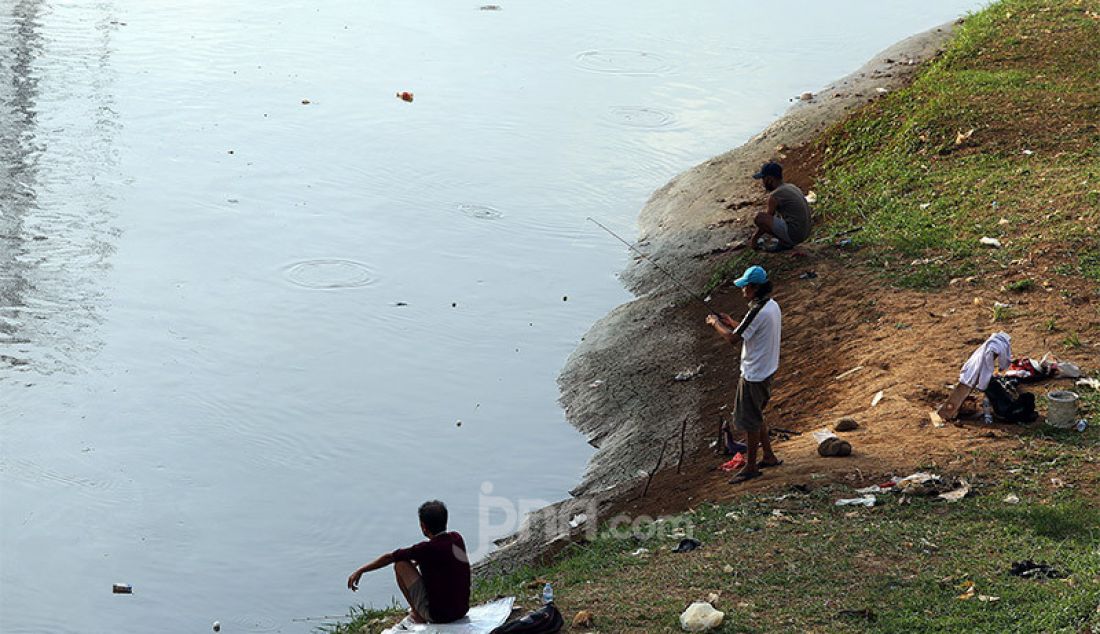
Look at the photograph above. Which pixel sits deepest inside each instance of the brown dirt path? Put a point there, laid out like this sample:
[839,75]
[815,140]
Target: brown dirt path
[909,344]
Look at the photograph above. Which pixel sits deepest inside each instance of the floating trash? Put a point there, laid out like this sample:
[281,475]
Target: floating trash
[479,211]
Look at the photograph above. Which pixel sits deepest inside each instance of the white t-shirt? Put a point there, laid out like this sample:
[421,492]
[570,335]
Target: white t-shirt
[760,343]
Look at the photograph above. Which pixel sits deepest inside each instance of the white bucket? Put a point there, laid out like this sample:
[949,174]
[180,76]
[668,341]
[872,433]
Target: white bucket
[1062,409]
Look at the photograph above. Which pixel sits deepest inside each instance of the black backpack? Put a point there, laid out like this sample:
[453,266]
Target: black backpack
[544,620]
[1009,403]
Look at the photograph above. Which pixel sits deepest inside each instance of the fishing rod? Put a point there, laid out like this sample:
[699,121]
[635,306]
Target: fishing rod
[670,276]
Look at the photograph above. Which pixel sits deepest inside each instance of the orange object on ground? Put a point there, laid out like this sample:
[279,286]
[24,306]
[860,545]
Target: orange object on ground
[735,463]
[405,96]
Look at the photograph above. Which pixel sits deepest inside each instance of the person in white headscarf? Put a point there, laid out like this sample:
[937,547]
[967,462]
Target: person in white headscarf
[994,353]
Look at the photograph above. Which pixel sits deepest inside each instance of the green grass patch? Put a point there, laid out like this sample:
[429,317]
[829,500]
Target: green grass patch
[1001,126]
[800,563]
[1020,286]
[364,620]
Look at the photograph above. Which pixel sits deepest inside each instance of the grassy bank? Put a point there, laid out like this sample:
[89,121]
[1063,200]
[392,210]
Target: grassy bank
[793,561]
[799,563]
[998,137]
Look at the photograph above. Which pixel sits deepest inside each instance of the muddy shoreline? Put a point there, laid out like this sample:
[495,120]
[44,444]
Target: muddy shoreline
[617,387]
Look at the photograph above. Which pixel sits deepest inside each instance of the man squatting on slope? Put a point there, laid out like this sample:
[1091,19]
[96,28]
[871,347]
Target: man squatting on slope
[788,214]
[434,575]
[759,333]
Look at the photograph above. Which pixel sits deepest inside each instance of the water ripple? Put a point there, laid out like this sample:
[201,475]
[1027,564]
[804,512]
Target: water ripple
[329,274]
[623,62]
[641,117]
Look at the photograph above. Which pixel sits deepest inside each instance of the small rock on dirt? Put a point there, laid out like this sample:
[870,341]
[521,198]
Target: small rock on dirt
[834,447]
[846,424]
[700,617]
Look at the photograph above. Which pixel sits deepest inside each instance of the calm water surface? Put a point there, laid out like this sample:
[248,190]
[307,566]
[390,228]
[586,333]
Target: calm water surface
[238,330]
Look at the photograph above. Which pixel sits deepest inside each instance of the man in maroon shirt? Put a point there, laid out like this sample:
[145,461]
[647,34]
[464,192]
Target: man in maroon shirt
[434,575]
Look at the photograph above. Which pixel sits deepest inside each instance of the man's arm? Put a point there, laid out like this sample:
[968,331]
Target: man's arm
[381,562]
[760,230]
[725,327]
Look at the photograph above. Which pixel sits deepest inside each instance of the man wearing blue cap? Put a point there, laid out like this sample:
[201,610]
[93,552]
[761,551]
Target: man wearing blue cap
[759,333]
[788,214]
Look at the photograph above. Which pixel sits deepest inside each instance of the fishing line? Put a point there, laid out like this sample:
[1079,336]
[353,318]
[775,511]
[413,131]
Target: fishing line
[657,266]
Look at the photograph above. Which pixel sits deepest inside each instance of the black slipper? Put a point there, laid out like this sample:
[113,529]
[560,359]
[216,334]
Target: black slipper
[778,248]
[769,466]
[744,477]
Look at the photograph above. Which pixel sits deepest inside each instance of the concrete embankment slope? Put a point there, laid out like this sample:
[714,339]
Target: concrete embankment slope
[617,387]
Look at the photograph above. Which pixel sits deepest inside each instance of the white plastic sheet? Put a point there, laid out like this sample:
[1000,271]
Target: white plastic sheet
[481,619]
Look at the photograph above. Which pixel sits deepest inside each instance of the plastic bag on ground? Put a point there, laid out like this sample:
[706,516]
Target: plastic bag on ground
[481,619]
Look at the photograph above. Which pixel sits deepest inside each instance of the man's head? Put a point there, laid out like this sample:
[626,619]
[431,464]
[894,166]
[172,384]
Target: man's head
[771,174]
[433,517]
[754,283]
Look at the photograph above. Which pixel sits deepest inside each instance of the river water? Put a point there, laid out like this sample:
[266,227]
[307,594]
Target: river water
[238,330]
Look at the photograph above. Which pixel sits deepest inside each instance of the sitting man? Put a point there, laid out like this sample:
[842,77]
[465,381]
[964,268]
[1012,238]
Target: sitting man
[788,214]
[434,575]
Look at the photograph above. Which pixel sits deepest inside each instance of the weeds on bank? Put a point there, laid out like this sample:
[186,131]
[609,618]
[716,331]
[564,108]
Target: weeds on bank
[800,563]
[364,620]
[996,138]
[1072,341]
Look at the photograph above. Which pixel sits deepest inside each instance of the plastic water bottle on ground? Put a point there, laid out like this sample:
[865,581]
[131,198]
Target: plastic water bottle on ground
[547,593]
[987,412]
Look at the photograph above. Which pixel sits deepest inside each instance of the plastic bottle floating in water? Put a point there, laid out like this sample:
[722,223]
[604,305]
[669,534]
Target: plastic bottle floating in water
[405,96]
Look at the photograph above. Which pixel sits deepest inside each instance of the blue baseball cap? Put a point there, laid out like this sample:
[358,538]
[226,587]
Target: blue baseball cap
[752,275]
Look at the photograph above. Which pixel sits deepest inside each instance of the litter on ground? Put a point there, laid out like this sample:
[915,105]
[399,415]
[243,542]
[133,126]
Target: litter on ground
[848,372]
[734,464]
[867,500]
[687,375]
[687,545]
[1089,382]
[1035,570]
[957,494]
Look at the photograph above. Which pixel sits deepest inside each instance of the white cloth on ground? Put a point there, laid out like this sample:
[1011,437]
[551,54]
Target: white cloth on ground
[481,619]
[978,369]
